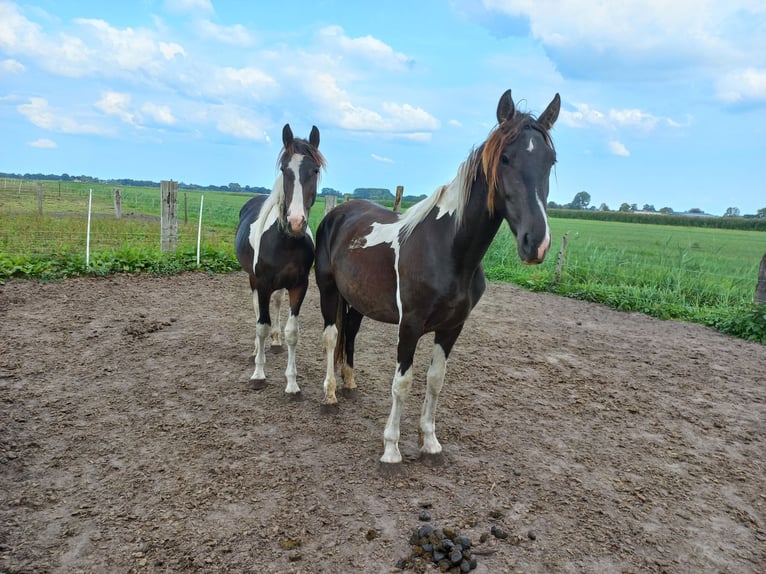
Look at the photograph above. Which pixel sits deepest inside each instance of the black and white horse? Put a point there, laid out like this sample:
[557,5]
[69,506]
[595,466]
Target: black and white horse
[422,270]
[274,245]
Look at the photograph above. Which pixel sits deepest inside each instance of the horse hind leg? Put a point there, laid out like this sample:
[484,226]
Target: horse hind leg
[353,322]
[276,331]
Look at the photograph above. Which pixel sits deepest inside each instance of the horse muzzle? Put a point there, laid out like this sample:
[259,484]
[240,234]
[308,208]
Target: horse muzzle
[531,254]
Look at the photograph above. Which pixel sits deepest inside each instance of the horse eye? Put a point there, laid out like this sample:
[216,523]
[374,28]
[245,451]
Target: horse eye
[504,159]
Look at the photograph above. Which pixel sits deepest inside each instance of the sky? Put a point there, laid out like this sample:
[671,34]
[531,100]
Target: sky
[663,103]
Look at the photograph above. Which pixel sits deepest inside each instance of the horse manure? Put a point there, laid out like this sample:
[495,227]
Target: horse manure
[450,551]
[425,516]
[498,532]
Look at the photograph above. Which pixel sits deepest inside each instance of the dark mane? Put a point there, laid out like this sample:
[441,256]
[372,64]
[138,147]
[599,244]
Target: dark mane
[303,147]
[487,156]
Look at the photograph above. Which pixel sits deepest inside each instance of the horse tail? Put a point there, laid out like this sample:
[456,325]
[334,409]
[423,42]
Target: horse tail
[340,323]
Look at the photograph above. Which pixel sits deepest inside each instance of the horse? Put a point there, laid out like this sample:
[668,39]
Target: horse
[275,247]
[422,270]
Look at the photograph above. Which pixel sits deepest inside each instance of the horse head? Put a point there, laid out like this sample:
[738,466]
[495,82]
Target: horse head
[299,163]
[517,160]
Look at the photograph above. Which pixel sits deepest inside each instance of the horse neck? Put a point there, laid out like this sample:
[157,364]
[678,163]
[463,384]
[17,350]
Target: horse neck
[477,228]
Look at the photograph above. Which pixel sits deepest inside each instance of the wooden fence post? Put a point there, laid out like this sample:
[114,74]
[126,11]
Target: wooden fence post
[117,203]
[169,221]
[760,289]
[330,201]
[560,263]
[398,199]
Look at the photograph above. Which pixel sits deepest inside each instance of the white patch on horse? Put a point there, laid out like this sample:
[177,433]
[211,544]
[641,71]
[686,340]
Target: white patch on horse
[387,233]
[531,146]
[296,209]
[400,390]
[267,217]
[543,249]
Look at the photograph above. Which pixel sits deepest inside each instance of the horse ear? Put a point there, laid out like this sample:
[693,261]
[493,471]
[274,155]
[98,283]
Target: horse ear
[551,113]
[505,107]
[287,135]
[314,137]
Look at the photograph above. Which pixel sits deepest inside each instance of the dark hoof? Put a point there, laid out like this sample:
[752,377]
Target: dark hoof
[432,459]
[257,384]
[349,394]
[333,409]
[392,469]
[295,397]
[276,349]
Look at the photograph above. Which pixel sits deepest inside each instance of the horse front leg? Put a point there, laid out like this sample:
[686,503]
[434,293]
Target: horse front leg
[430,448]
[262,331]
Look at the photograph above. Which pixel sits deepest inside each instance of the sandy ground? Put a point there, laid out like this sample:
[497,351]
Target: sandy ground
[132,441]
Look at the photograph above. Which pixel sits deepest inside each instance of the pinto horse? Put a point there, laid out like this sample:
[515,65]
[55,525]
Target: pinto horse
[274,245]
[422,270]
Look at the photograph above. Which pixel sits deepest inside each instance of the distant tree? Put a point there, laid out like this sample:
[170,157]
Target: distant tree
[329,191]
[731,212]
[624,207]
[695,210]
[761,213]
[554,205]
[375,193]
[580,201]
[603,207]
[634,207]
[648,207]
[235,187]
[666,210]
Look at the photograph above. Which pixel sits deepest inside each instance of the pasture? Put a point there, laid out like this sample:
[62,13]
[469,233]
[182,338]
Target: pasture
[695,274]
[598,441]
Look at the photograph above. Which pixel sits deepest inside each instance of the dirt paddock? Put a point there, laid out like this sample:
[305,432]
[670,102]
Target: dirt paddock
[599,441]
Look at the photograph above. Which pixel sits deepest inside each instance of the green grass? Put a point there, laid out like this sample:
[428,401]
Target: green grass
[698,274]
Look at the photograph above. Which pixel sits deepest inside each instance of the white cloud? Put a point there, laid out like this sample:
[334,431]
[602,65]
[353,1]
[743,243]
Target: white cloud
[170,50]
[158,113]
[586,116]
[618,148]
[39,112]
[336,106]
[236,35]
[743,85]
[381,158]
[116,104]
[635,40]
[43,143]
[11,67]
[366,47]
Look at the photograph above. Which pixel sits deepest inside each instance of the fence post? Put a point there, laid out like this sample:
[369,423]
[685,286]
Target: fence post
[560,263]
[169,220]
[39,198]
[186,209]
[398,199]
[330,201]
[117,203]
[760,289]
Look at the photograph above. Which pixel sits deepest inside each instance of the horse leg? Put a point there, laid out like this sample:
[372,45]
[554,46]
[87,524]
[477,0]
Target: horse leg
[262,330]
[276,331]
[430,449]
[292,331]
[400,390]
[329,298]
[353,322]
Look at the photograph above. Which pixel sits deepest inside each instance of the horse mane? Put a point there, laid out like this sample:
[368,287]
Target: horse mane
[483,161]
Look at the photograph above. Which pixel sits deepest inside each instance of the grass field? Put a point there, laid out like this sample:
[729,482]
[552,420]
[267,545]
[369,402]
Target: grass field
[690,273]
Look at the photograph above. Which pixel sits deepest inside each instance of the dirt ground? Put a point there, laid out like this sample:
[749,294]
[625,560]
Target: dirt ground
[599,441]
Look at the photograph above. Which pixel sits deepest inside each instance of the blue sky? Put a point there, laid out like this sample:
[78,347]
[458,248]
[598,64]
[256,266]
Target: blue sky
[662,102]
